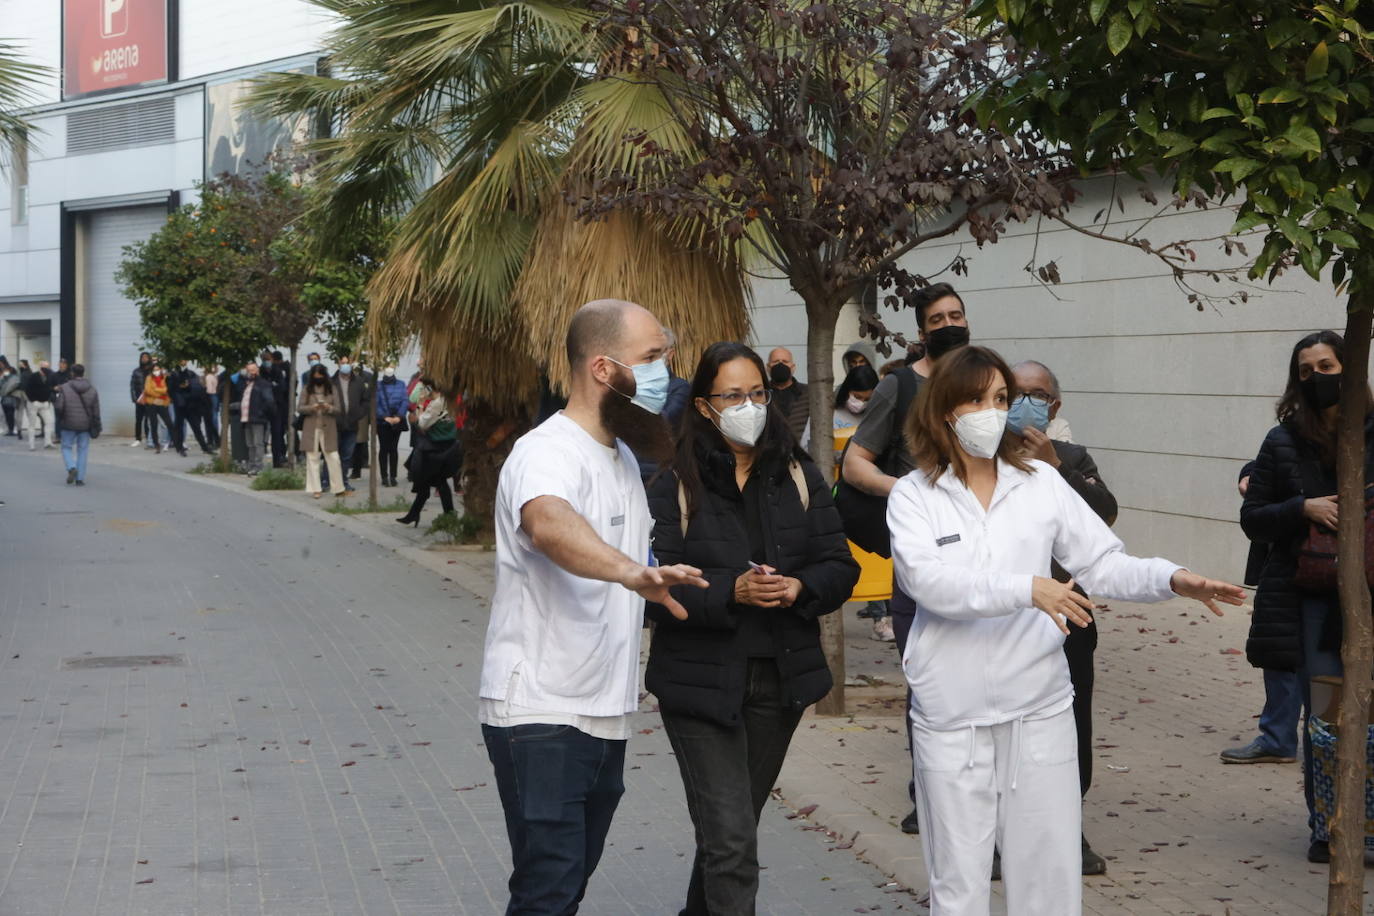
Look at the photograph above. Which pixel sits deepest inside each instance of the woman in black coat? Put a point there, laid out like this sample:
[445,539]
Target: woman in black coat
[741,502]
[1292,487]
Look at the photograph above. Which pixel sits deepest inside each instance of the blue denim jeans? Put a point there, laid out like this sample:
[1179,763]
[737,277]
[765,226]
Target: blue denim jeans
[348,441]
[1316,662]
[1278,723]
[559,790]
[81,443]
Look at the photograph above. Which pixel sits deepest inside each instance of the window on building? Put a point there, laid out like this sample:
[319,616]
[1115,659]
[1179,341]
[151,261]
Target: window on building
[19,183]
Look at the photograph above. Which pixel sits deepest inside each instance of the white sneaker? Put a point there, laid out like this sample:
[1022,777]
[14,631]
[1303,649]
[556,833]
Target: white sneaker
[882,630]
[136,443]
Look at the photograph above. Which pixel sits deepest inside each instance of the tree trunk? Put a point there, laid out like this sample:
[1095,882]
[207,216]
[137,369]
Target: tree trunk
[291,394]
[487,438]
[1346,890]
[820,389]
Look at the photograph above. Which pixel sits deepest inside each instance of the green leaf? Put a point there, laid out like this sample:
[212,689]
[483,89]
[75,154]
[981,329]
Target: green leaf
[1103,120]
[1341,199]
[1304,138]
[1135,6]
[1118,33]
[1365,218]
[1147,122]
[1239,166]
[1363,125]
[1216,144]
[1211,113]
[1265,204]
[1177,142]
[1340,238]
[1277,95]
[1318,62]
[1247,222]
[1095,10]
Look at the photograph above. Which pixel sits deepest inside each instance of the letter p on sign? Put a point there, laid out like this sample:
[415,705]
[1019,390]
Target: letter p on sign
[114,19]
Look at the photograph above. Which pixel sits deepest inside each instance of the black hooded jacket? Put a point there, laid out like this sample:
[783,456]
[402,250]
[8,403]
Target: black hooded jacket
[697,666]
[1286,473]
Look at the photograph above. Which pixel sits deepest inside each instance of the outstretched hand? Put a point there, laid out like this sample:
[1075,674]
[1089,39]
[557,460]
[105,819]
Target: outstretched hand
[653,582]
[1208,591]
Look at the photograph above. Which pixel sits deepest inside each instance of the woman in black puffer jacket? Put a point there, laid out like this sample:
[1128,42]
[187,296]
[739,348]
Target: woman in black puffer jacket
[1292,483]
[733,679]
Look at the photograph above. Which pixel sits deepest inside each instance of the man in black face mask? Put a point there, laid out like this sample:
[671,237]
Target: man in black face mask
[878,455]
[789,395]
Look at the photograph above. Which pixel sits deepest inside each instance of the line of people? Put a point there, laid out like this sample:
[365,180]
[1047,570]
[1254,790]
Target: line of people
[734,554]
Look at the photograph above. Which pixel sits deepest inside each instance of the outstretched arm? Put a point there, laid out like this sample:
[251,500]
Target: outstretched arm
[557,531]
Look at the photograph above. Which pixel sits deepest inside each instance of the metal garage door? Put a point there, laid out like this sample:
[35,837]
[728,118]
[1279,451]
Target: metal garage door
[113,334]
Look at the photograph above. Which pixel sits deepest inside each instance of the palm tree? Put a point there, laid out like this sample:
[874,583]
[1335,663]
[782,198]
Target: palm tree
[474,124]
[19,80]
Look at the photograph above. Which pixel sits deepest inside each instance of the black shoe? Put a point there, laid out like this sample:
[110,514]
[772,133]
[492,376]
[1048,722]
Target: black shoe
[1319,852]
[356,475]
[910,823]
[409,519]
[996,864]
[1254,752]
[1093,864]
[71,476]
[79,483]
[182,452]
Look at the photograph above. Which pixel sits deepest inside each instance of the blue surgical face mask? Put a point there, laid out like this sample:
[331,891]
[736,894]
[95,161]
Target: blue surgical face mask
[651,385]
[1027,412]
[345,368]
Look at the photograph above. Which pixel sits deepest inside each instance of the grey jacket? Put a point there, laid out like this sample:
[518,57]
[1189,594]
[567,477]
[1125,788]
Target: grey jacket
[78,405]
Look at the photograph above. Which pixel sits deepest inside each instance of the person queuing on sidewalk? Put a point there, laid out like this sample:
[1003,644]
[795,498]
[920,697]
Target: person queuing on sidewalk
[209,379]
[354,401]
[136,380]
[1292,489]
[789,395]
[156,401]
[1277,741]
[974,533]
[673,408]
[78,409]
[9,397]
[312,360]
[878,452]
[38,391]
[63,373]
[392,404]
[560,669]
[319,405]
[1036,405]
[742,503]
[851,400]
[192,406]
[437,454]
[360,449]
[252,402]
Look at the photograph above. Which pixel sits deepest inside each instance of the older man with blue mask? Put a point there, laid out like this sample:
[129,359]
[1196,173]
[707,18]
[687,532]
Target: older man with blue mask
[1037,403]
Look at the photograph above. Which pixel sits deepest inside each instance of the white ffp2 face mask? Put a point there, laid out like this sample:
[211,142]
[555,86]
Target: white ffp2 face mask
[980,432]
[743,423]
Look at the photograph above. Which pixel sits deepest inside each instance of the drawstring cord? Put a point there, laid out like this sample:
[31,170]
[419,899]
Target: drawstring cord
[1016,750]
[972,743]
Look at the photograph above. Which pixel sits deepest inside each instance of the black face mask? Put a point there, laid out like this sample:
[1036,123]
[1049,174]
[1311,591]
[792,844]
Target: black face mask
[941,340]
[1321,389]
[780,374]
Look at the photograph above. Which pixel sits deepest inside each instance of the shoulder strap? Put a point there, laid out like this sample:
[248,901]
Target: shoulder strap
[799,479]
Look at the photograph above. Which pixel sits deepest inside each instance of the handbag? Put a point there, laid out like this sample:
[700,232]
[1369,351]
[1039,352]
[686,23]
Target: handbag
[1316,570]
[1324,738]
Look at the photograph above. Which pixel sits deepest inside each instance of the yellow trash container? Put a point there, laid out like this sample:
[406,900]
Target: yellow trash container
[875,572]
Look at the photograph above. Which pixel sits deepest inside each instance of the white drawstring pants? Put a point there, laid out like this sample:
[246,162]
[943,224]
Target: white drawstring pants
[1014,785]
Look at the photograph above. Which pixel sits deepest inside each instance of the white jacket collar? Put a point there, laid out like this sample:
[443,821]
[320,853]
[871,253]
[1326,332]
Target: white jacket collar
[1009,477]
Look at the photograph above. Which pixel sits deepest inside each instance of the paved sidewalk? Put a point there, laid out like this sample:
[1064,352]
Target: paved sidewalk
[1183,833]
[306,744]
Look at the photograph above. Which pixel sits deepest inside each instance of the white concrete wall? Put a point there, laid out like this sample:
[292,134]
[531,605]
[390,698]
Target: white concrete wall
[1171,401]
[35,26]
[217,36]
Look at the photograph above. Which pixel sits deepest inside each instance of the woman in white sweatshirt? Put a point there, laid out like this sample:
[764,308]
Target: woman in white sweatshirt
[974,528]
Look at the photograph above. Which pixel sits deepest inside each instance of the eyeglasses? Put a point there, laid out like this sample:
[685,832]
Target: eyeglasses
[736,398]
[1039,400]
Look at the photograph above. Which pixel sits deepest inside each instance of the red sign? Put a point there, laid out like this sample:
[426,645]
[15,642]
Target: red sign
[112,44]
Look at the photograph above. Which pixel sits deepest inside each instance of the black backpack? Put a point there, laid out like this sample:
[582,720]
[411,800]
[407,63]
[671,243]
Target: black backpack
[864,515]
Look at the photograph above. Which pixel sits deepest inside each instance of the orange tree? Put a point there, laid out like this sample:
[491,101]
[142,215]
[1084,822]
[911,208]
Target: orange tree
[1267,102]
